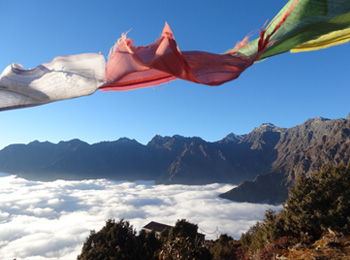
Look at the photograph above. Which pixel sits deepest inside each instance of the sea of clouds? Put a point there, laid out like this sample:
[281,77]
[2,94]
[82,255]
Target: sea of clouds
[51,220]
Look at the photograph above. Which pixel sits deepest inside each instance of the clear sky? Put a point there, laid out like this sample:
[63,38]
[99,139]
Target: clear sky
[284,90]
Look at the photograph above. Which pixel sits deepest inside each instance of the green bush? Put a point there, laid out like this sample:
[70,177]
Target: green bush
[224,248]
[118,240]
[183,228]
[315,204]
[183,243]
[318,203]
[261,234]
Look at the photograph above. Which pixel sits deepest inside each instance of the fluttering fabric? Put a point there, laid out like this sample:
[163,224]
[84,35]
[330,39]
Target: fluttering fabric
[302,25]
[323,23]
[325,41]
[131,67]
[64,77]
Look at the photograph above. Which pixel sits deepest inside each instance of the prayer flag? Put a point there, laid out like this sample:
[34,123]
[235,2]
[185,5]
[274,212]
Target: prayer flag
[302,25]
[64,77]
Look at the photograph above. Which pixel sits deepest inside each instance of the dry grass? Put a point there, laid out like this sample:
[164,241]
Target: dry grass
[332,246]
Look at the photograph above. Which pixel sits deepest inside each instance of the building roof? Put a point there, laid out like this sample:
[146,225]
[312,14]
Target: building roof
[157,227]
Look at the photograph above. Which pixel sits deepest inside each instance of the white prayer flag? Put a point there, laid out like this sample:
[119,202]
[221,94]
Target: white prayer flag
[64,77]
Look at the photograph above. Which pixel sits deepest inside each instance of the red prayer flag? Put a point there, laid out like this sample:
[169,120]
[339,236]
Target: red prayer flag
[131,67]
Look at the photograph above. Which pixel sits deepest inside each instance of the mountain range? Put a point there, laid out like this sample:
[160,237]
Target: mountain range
[263,163]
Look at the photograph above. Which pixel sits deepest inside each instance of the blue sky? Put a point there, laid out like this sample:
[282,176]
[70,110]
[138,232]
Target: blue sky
[284,90]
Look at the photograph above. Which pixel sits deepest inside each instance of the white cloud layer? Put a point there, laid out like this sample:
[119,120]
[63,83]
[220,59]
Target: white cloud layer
[51,220]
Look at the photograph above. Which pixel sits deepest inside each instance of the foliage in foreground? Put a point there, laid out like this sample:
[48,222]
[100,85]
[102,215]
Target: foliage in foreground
[315,206]
[183,241]
[118,240]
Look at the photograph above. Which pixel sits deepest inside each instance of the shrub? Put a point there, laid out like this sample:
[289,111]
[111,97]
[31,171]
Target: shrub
[261,234]
[225,248]
[183,243]
[118,240]
[314,204]
[318,203]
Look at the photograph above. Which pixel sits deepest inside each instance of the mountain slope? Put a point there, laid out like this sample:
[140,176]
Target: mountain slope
[300,150]
[265,162]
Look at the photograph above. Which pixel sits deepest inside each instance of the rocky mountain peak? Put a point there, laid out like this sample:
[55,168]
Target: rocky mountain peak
[36,142]
[126,140]
[232,138]
[178,137]
[159,141]
[72,143]
[316,121]
[264,136]
[268,127]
